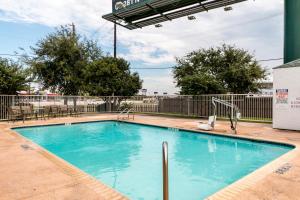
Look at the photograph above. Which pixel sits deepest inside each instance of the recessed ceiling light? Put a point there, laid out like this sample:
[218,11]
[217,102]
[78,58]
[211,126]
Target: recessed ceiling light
[228,8]
[191,17]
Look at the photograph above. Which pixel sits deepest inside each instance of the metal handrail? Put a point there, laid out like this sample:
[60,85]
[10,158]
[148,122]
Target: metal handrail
[125,112]
[128,113]
[165,171]
[229,105]
[122,112]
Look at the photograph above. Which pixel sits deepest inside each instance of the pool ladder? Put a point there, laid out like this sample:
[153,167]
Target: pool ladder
[165,171]
[125,114]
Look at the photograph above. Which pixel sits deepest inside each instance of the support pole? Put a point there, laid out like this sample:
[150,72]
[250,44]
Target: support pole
[291,30]
[115,40]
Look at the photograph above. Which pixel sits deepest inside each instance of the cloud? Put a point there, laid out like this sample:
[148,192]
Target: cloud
[253,25]
[55,12]
[149,55]
[160,84]
[174,39]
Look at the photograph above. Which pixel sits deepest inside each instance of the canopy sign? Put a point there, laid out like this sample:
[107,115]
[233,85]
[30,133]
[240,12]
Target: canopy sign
[133,14]
[121,4]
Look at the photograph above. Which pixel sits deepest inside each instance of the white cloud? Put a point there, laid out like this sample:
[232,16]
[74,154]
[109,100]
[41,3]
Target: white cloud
[173,39]
[54,12]
[150,55]
[160,84]
[253,25]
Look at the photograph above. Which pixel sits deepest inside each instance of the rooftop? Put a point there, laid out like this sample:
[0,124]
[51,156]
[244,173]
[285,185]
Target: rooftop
[295,63]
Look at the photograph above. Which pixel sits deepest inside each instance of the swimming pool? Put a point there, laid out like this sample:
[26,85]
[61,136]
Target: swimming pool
[127,157]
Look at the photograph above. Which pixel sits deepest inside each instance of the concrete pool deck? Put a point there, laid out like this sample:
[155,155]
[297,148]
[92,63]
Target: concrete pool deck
[30,172]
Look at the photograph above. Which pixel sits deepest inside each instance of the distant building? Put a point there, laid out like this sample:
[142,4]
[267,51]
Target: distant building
[144,92]
[266,88]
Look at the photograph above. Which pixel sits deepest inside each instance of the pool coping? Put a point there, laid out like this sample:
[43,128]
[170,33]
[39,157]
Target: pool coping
[104,190]
[227,192]
[248,138]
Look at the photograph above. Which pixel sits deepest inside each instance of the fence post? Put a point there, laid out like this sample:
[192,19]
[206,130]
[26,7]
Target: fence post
[85,104]
[157,101]
[232,107]
[188,102]
[13,101]
[109,104]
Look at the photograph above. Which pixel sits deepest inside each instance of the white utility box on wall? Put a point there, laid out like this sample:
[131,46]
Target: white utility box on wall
[286,101]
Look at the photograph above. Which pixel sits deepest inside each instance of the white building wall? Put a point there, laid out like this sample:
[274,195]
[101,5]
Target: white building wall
[286,109]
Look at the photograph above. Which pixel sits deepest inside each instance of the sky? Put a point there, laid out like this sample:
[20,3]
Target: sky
[256,26]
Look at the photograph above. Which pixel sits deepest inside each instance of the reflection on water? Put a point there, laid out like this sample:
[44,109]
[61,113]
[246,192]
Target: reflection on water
[212,146]
[128,157]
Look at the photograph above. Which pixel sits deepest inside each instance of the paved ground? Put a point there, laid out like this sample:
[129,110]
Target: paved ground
[35,173]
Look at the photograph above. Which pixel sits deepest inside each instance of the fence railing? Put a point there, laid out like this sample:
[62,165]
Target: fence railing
[252,107]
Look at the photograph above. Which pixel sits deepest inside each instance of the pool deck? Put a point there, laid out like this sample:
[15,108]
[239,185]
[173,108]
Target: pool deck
[30,172]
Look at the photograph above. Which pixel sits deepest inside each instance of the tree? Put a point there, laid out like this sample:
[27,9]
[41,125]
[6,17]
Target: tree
[60,59]
[13,77]
[111,76]
[218,70]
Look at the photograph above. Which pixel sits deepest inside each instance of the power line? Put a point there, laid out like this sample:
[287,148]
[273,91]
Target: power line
[154,68]
[18,55]
[271,59]
[141,68]
[99,29]
[14,55]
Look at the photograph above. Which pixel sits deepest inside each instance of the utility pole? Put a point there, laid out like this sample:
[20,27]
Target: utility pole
[73,29]
[115,40]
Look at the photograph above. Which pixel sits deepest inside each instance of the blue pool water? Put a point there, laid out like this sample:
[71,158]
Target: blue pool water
[128,158]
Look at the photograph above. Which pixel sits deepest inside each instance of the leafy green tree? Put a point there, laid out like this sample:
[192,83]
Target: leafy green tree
[13,77]
[218,70]
[111,76]
[60,59]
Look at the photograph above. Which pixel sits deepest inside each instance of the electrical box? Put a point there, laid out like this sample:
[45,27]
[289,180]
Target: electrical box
[286,101]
